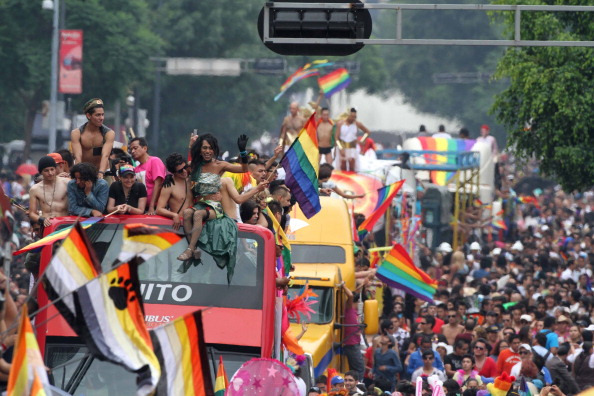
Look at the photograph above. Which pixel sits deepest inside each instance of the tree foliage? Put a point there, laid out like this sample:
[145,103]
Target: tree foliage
[547,109]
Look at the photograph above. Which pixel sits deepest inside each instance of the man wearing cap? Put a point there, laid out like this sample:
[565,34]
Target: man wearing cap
[93,141]
[493,335]
[48,199]
[61,165]
[337,383]
[562,330]
[488,139]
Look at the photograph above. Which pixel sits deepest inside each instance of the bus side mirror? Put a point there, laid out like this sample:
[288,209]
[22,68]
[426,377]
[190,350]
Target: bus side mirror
[371,317]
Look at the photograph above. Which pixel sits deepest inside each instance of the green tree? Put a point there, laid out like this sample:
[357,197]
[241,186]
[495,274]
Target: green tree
[547,109]
[117,45]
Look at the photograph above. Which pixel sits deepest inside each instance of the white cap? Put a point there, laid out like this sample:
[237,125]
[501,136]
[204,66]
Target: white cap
[590,328]
[526,317]
[25,224]
[475,246]
[544,227]
[444,247]
[447,347]
[517,246]
[496,251]
[526,347]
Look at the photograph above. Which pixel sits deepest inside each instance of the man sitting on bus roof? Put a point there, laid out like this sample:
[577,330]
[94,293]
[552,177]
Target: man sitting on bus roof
[87,194]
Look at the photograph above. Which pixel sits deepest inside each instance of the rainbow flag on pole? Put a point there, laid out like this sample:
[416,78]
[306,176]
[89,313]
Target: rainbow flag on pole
[221,382]
[333,82]
[399,271]
[181,351]
[385,195]
[27,375]
[301,163]
[56,236]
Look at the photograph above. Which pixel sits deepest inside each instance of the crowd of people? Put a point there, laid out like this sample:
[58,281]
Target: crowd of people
[513,308]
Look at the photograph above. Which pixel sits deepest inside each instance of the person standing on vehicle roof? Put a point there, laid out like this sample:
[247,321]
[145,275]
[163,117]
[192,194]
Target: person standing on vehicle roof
[93,141]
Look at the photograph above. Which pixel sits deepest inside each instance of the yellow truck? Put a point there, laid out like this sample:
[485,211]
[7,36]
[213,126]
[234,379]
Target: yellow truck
[322,253]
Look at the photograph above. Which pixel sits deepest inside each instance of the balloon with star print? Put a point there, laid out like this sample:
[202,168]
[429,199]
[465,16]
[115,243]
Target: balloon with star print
[263,376]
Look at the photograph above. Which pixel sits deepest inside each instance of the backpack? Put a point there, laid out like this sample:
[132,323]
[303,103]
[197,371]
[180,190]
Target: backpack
[539,360]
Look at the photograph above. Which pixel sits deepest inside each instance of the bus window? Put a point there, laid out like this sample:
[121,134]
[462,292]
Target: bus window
[308,254]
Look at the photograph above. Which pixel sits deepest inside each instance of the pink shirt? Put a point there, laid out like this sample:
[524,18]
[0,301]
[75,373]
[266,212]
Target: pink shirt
[352,335]
[148,172]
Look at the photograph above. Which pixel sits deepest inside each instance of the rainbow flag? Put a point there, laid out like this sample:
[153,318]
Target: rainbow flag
[73,265]
[56,236]
[301,165]
[221,382]
[181,351]
[526,199]
[240,180]
[441,178]
[146,241]
[111,322]
[399,271]
[305,71]
[27,375]
[385,195]
[333,82]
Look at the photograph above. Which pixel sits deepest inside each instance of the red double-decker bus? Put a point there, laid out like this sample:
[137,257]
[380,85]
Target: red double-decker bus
[239,323]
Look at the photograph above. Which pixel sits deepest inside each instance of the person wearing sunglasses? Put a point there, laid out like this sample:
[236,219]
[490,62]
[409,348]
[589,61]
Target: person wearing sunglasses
[483,363]
[453,326]
[427,369]
[176,194]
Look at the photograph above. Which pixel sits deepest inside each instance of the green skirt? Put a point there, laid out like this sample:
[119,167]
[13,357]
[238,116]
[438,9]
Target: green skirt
[219,239]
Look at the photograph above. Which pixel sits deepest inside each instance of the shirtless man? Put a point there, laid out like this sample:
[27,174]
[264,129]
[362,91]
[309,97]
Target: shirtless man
[93,141]
[49,196]
[346,134]
[230,198]
[452,328]
[177,196]
[324,130]
[291,126]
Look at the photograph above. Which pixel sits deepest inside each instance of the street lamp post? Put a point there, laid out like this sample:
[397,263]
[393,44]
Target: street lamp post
[55,5]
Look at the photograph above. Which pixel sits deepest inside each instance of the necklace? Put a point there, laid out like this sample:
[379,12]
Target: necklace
[53,196]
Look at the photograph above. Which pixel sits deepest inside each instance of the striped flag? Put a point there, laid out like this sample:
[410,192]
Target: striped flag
[301,164]
[399,271]
[110,319]
[182,354]
[56,236]
[73,265]
[385,195]
[281,239]
[221,382]
[333,82]
[27,374]
[146,241]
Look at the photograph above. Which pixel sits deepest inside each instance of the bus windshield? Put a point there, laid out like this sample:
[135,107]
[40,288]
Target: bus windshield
[324,308]
[163,280]
[79,374]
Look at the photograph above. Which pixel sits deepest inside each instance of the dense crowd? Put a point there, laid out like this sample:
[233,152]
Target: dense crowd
[513,307]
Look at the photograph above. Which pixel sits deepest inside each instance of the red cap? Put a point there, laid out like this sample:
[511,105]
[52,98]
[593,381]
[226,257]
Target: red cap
[57,157]
[485,126]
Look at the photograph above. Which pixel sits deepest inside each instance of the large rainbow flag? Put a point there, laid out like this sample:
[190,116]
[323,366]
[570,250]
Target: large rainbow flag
[441,178]
[335,81]
[56,236]
[385,195]
[27,375]
[399,271]
[301,163]
[181,351]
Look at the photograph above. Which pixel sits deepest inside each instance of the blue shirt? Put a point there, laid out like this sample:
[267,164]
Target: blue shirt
[416,361]
[552,339]
[80,204]
[392,364]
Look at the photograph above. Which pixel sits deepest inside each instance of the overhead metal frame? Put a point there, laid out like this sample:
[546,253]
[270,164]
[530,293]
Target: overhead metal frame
[399,8]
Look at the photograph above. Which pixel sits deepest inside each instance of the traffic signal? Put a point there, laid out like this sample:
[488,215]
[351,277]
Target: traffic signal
[311,29]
